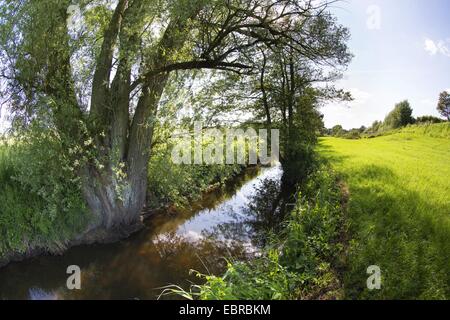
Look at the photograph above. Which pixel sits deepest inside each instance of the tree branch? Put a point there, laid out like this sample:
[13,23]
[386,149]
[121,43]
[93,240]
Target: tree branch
[190,65]
[100,85]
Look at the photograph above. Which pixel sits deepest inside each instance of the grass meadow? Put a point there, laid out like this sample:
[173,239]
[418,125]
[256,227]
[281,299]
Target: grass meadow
[399,211]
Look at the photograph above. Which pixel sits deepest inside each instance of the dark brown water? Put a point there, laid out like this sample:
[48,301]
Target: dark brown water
[200,238]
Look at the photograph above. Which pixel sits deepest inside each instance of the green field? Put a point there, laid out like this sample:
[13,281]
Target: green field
[399,211]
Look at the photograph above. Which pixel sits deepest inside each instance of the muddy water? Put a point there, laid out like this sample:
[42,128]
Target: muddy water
[172,243]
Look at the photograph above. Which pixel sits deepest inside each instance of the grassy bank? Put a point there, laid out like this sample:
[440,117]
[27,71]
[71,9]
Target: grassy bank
[26,221]
[437,130]
[298,263]
[36,211]
[399,210]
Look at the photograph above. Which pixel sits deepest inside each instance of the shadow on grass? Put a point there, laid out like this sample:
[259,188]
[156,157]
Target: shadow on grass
[401,231]
[328,153]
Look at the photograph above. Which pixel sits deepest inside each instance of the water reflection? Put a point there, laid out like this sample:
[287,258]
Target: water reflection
[262,215]
[227,224]
[39,294]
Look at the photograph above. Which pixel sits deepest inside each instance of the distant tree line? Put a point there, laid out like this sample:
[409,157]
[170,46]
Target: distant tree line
[399,117]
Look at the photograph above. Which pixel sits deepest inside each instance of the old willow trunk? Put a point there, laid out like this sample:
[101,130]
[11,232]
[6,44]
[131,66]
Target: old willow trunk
[116,194]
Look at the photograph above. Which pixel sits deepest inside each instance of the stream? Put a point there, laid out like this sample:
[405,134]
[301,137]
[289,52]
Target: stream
[222,225]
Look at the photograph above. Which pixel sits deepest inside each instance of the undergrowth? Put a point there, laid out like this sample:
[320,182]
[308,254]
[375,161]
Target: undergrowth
[298,263]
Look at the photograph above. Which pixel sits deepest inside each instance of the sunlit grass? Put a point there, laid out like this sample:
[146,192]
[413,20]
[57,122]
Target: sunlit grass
[399,211]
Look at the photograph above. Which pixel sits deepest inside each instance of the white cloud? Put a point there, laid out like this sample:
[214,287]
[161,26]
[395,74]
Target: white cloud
[352,114]
[440,46]
[430,47]
[360,97]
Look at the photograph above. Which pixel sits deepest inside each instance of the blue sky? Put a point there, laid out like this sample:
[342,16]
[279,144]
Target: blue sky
[402,51]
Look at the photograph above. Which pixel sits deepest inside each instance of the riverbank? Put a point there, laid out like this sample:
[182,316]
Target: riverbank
[198,237]
[28,229]
[305,260]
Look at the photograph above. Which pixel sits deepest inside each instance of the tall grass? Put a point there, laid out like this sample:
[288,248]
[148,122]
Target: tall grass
[25,221]
[437,130]
[399,211]
[16,207]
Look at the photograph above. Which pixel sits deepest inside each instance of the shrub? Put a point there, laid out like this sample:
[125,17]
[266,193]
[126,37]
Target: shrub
[171,183]
[298,263]
[40,194]
[428,119]
[399,117]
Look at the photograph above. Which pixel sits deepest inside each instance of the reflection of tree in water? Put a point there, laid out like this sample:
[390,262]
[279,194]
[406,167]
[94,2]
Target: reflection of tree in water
[209,252]
[158,256]
[141,271]
[254,222]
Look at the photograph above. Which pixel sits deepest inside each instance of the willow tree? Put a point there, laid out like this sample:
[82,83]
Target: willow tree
[443,106]
[285,91]
[99,68]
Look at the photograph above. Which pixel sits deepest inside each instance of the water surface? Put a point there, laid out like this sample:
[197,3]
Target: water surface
[221,225]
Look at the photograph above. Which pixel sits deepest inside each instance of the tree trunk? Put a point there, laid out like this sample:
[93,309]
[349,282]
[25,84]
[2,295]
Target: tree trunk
[116,207]
[264,92]
[117,200]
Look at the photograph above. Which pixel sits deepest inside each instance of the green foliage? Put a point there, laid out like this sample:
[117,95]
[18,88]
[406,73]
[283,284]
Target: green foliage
[438,130]
[298,262]
[398,211]
[425,125]
[353,134]
[376,126]
[399,117]
[444,105]
[298,154]
[261,279]
[428,119]
[337,130]
[16,206]
[40,200]
[111,70]
[177,184]
[299,161]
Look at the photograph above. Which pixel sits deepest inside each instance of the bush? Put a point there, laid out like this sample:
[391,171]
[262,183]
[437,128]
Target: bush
[299,162]
[353,134]
[171,183]
[399,117]
[40,194]
[298,263]
[428,119]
